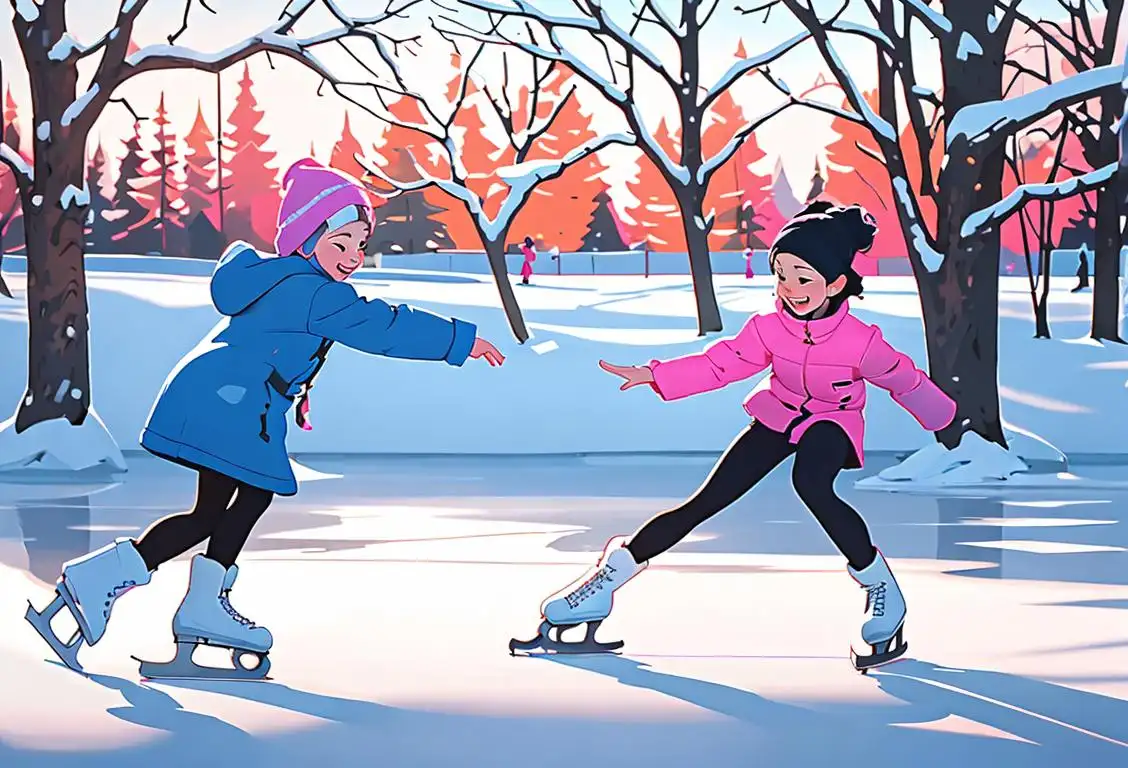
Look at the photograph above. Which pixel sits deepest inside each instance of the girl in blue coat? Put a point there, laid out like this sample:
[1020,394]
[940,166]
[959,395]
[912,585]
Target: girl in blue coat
[222,412]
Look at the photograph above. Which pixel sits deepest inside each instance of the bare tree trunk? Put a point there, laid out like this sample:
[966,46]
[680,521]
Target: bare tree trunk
[1042,303]
[691,202]
[960,301]
[1106,264]
[58,370]
[495,255]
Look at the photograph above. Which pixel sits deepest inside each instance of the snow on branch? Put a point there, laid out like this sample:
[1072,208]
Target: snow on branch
[936,22]
[996,214]
[16,162]
[747,65]
[997,120]
[710,165]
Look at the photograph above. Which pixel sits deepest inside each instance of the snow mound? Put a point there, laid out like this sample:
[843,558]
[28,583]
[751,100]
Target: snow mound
[976,462]
[59,448]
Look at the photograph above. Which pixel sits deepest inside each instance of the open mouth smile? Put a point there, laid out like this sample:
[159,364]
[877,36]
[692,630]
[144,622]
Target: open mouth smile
[799,301]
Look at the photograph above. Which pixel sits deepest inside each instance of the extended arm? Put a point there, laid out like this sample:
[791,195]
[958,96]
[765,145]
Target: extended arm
[337,312]
[910,387]
[723,362]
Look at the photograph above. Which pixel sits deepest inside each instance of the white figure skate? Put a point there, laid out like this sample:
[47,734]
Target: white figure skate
[206,617]
[88,588]
[586,601]
[884,627]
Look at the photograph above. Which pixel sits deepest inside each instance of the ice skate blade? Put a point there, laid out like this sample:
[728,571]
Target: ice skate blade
[41,620]
[182,667]
[883,653]
[546,643]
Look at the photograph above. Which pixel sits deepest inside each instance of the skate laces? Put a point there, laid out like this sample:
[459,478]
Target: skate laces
[225,601]
[590,586]
[114,594]
[875,598]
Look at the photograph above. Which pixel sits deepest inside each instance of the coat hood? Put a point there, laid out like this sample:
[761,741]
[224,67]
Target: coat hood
[243,275]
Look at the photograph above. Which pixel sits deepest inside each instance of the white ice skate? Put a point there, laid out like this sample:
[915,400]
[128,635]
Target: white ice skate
[88,588]
[206,617]
[585,601]
[884,627]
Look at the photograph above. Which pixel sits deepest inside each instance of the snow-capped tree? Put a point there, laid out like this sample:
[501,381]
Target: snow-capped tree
[1085,39]
[517,100]
[72,82]
[574,38]
[955,261]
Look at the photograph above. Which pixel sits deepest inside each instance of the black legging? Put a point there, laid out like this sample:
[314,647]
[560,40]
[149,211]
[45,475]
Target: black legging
[225,523]
[821,454]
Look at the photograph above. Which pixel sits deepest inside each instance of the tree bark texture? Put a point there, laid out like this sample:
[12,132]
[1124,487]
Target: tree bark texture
[495,255]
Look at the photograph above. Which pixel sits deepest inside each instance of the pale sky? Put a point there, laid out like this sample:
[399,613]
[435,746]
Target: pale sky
[295,116]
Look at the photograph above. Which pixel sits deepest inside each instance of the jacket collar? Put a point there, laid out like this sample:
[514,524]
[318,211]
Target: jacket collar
[816,330]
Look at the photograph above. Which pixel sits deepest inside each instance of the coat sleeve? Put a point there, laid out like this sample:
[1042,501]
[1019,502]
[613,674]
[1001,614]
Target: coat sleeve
[339,313]
[723,362]
[910,387]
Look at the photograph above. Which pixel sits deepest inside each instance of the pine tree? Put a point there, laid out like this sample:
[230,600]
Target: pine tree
[818,182]
[133,203]
[559,210]
[253,193]
[603,234]
[97,228]
[655,218]
[343,158]
[199,169]
[169,187]
[417,221]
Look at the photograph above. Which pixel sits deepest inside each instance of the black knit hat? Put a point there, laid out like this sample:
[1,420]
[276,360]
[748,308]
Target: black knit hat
[828,237]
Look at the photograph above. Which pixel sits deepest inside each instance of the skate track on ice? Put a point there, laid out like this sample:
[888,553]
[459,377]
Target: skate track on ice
[393,590]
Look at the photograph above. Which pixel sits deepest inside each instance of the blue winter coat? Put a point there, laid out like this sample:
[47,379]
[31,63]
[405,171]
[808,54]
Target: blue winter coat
[218,409]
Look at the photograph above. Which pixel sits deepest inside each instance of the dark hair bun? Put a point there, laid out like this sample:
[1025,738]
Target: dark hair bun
[859,227]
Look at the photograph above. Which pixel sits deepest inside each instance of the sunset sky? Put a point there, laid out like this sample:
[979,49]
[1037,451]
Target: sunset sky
[295,116]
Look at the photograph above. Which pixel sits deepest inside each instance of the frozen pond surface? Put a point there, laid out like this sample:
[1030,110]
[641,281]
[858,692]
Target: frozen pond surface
[393,589]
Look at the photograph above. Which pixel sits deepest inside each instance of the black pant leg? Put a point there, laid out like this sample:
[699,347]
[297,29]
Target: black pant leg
[749,458]
[822,453]
[233,530]
[176,534]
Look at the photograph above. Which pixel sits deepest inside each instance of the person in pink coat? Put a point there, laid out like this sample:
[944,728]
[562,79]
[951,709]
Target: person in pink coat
[530,254]
[748,273]
[821,359]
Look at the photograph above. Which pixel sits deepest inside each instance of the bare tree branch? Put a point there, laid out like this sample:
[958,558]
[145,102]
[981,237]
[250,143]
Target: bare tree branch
[1005,208]
[21,169]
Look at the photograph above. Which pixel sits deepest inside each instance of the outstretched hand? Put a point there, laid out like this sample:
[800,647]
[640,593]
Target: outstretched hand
[483,349]
[633,375]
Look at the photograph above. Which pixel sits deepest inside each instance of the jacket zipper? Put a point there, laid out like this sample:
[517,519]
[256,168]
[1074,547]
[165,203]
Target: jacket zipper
[808,342]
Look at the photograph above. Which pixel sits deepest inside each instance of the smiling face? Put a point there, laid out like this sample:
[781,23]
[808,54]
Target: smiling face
[341,252]
[801,287]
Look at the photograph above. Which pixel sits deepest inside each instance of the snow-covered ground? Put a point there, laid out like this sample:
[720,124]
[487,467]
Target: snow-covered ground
[393,586]
[551,397]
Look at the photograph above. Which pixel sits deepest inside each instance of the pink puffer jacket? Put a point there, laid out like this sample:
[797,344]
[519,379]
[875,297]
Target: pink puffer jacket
[820,366]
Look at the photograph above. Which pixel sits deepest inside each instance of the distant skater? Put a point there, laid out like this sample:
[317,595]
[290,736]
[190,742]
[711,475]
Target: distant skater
[222,414]
[821,358]
[748,273]
[1082,270]
[530,254]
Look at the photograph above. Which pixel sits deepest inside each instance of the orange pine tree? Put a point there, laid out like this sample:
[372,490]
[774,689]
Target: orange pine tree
[254,194]
[343,158]
[559,210]
[655,217]
[857,175]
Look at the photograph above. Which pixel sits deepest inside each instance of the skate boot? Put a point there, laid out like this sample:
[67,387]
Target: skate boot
[88,588]
[884,626]
[206,617]
[585,601]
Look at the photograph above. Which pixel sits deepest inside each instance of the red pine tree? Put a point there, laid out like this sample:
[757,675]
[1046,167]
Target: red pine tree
[343,158]
[169,187]
[11,218]
[560,210]
[199,170]
[655,218]
[253,193]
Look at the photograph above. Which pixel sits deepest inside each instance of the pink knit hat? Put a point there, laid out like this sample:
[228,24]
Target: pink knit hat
[313,194]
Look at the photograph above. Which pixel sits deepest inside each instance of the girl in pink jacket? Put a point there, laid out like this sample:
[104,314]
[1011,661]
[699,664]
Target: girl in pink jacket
[821,358]
[530,254]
